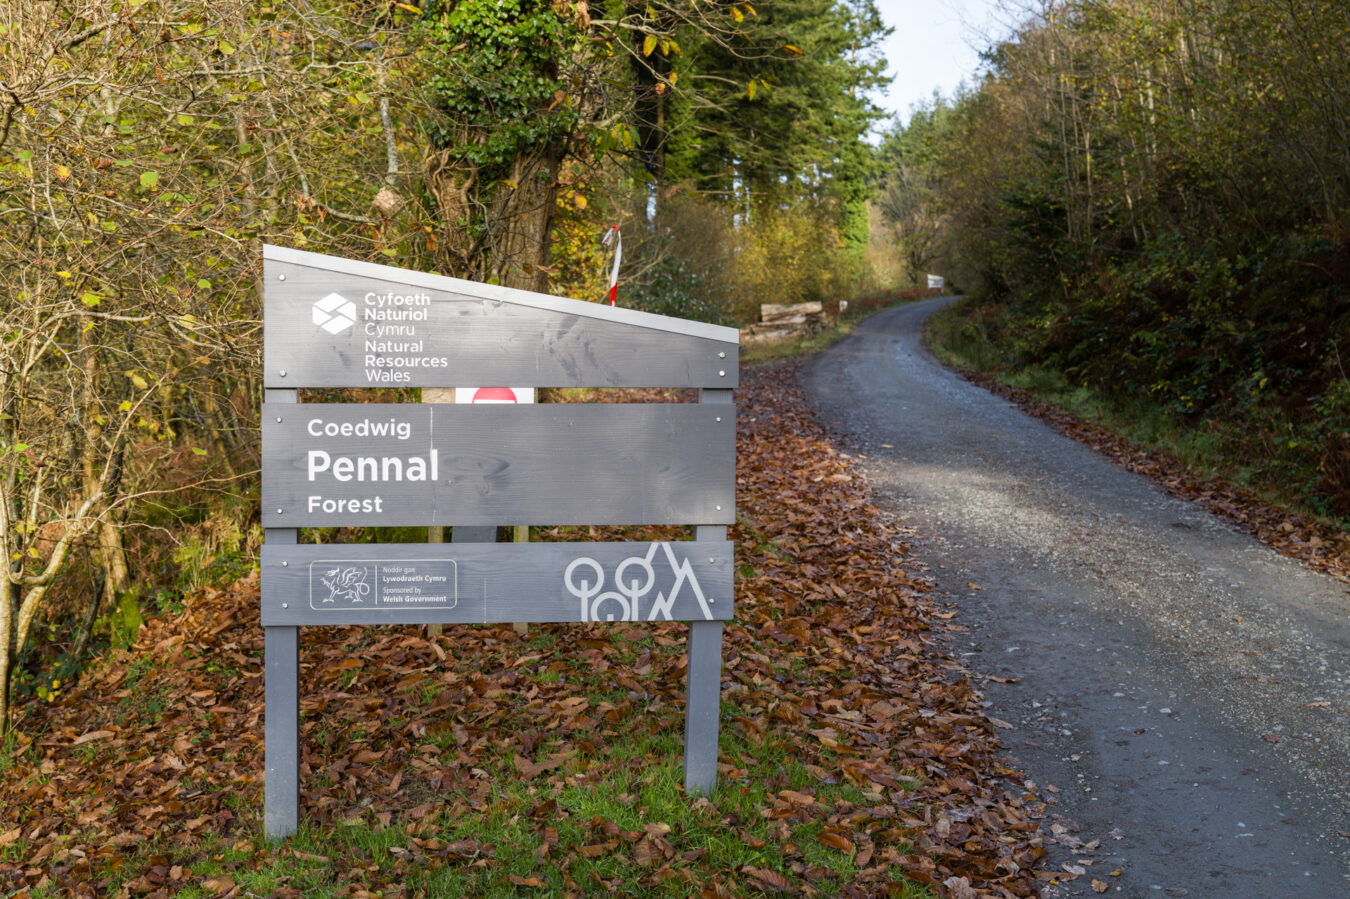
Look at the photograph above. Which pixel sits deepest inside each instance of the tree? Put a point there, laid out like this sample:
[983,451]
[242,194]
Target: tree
[146,150]
[716,96]
[519,86]
[1154,194]
[506,125]
[912,184]
[783,113]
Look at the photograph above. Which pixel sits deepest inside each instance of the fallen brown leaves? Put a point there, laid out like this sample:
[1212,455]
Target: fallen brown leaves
[830,663]
[875,704]
[1319,546]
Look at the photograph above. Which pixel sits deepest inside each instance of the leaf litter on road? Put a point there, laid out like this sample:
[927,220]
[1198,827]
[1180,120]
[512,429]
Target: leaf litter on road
[865,750]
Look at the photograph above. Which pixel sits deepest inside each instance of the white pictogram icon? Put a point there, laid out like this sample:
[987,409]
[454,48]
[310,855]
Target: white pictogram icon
[335,313]
[585,579]
[348,585]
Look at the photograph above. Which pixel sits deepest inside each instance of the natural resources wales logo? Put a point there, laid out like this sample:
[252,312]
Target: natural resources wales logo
[335,313]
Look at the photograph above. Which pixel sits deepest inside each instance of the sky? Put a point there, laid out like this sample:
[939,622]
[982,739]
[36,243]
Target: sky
[935,45]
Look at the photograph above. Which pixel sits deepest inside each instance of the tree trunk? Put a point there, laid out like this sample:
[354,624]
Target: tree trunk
[512,242]
[90,616]
[216,427]
[523,249]
[8,650]
[113,558]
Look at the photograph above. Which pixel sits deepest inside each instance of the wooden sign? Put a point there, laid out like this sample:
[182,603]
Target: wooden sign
[330,322]
[390,464]
[340,323]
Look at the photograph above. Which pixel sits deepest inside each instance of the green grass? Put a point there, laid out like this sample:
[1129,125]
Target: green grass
[11,753]
[147,697]
[585,837]
[823,339]
[563,829]
[611,816]
[1204,448]
[606,818]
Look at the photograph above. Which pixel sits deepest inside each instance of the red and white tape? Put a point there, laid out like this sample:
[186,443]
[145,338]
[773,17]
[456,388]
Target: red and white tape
[614,236]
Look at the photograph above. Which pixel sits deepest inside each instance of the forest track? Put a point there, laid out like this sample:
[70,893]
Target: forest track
[1183,689]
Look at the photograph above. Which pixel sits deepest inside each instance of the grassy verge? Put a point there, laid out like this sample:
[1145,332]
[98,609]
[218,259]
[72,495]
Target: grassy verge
[963,342]
[960,336]
[522,765]
[560,816]
[763,353]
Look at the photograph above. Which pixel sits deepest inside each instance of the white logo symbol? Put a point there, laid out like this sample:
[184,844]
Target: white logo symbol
[348,585]
[335,313]
[625,603]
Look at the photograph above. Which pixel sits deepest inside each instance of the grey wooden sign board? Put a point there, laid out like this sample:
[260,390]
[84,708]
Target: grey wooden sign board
[331,322]
[468,583]
[395,464]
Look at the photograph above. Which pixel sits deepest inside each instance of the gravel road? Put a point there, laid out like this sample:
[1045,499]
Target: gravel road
[1179,689]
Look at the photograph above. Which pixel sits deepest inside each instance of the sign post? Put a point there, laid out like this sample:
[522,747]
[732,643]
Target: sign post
[519,533]
[331,322]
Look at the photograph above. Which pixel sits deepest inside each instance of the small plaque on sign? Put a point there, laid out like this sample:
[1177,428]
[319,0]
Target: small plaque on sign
[460,583]
[341,584]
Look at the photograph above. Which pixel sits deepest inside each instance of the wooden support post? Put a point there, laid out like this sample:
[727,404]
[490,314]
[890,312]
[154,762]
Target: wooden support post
[702,709]
[703,684]
[281,689]
[436,532]
[281,802]
[521,534]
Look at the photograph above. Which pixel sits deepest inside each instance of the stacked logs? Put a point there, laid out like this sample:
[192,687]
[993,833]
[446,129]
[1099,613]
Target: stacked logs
[778,322]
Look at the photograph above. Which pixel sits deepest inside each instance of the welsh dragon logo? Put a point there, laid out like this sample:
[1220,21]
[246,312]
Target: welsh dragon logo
[347,584]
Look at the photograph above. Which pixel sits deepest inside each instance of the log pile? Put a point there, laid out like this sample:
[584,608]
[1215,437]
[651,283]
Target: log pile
[785,322]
